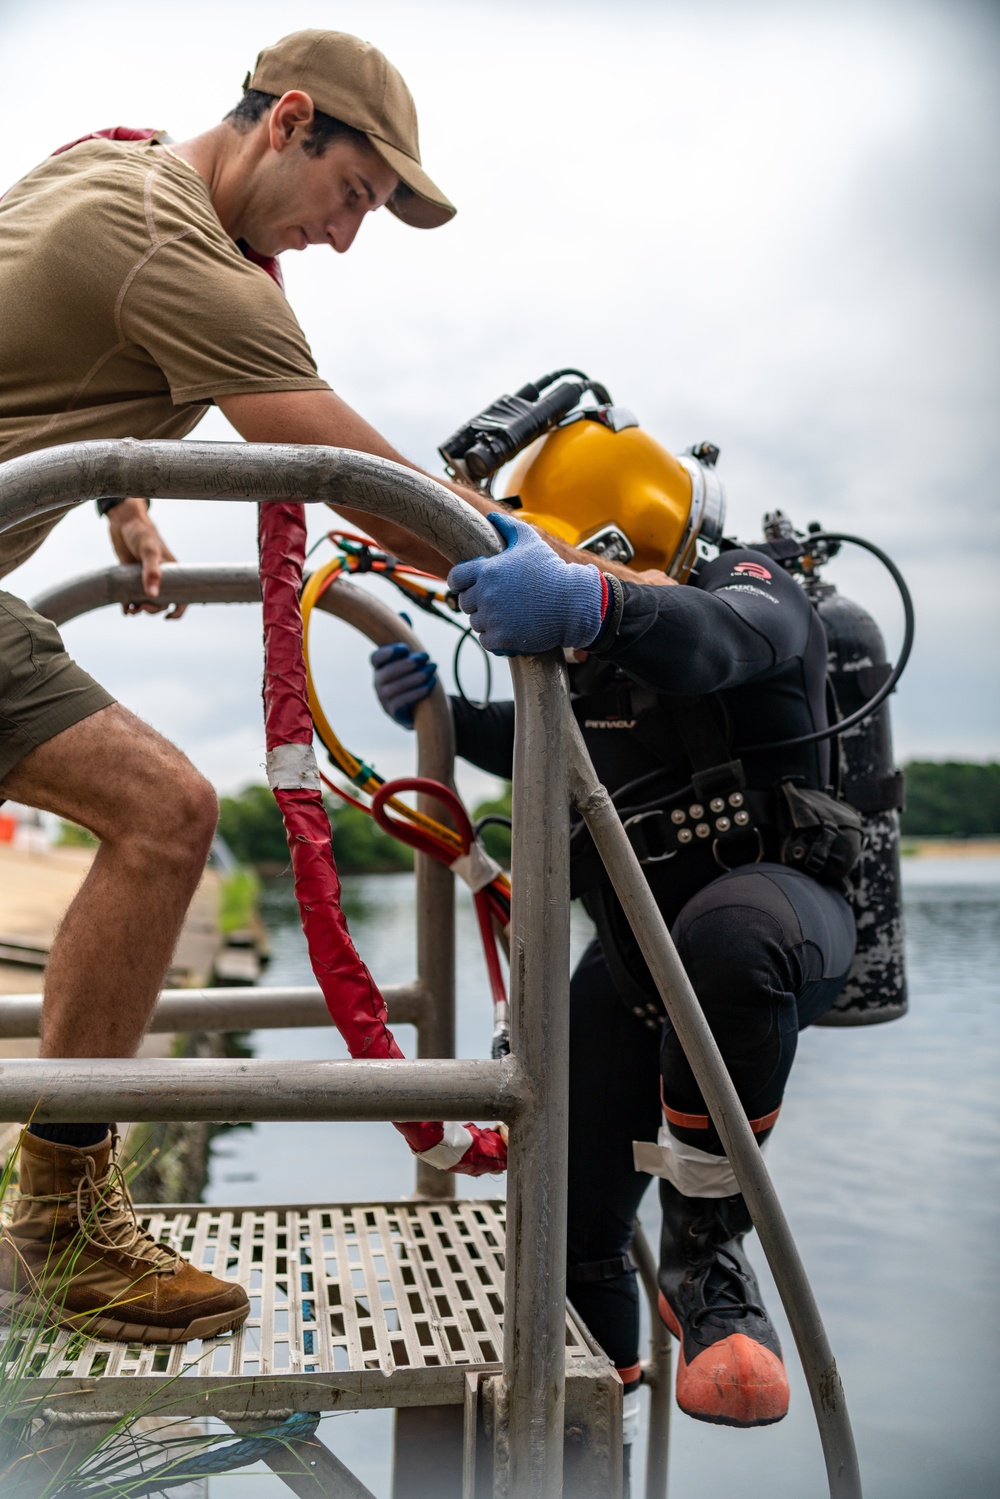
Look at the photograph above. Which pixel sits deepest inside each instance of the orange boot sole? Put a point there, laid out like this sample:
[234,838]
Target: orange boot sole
[736,1382]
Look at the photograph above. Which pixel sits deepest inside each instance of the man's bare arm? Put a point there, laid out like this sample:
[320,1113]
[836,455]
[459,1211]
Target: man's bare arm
[321,417]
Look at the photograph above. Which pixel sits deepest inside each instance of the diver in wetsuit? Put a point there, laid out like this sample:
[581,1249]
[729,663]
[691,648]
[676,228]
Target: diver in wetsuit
[672,688]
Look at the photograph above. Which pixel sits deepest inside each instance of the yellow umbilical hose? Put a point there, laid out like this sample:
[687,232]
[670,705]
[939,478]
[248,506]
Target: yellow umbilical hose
[362,775]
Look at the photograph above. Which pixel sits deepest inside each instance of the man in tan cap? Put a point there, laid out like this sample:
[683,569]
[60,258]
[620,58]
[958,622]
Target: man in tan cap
[350,81]
[138,288]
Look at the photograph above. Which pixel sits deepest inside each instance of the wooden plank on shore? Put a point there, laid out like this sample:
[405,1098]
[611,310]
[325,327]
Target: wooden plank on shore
[37,885]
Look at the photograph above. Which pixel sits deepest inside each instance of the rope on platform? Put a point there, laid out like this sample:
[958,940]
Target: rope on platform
[299,1427]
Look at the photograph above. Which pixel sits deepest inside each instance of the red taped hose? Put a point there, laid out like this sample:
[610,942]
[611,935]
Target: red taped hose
[487,902]
[352,997]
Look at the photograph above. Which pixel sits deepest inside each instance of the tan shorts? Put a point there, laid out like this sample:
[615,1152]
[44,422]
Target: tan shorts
[42,691]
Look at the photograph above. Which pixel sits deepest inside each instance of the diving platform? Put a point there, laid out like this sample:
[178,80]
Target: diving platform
[451,1312]
[352,1307]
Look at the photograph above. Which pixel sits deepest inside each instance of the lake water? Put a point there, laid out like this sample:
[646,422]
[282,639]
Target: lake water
[886,1160]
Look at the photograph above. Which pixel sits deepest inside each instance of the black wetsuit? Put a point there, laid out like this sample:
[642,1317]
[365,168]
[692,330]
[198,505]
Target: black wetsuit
[766,947]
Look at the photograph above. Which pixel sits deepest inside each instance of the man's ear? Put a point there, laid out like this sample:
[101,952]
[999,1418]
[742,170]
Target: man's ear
[293,111]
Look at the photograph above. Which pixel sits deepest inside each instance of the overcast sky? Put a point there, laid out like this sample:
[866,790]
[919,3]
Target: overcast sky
[769,225]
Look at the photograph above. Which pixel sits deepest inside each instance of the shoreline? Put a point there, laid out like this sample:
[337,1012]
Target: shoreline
[950,848]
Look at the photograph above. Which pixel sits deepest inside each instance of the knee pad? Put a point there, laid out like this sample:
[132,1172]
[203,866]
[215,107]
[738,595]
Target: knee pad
[733,955]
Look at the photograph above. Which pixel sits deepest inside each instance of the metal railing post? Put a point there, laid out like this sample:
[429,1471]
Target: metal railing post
[656,1372]
[435,914]
[688,1020]
[530,1420]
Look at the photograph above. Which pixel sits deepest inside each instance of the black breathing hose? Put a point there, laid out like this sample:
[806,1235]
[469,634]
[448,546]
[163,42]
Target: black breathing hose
[534,388]
[873,703]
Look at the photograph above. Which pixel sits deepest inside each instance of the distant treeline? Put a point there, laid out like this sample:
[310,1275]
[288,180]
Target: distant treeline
[251,824]
[944,799]
[951,799]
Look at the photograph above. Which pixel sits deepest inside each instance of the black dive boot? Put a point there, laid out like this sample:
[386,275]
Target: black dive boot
[730,1370]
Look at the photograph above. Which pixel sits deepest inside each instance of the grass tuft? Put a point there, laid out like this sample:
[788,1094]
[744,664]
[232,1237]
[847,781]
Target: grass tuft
[42,1458]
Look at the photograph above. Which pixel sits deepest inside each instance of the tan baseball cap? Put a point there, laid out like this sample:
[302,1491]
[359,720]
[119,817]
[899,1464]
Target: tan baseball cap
[352,81]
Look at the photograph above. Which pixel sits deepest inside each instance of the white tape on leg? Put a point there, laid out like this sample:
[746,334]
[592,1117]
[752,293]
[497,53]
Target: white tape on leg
[693,1172]
[449,1151]
[292,767]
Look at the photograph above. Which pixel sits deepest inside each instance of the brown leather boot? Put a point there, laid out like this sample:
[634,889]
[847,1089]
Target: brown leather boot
[74,1255]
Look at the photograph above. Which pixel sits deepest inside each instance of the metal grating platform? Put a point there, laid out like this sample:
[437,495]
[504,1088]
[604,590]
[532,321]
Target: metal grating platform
[354,1305]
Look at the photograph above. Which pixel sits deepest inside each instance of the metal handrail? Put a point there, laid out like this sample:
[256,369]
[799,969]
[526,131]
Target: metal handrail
[688,1020]
[435,735]
[243,1008]
[236,1090]
[656,1371]
[237,1009]
[529,1416]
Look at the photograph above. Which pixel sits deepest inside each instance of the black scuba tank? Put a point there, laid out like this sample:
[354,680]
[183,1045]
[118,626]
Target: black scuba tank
[876,987]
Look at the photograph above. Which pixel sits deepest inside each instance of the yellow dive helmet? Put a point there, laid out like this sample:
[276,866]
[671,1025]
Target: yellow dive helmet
[602,484]
[591,477]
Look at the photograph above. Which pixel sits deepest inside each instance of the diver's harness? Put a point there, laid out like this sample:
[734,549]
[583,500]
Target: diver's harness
[814,831]
[806,829]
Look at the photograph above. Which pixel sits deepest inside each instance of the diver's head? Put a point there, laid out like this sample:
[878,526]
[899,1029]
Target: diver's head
[603,484]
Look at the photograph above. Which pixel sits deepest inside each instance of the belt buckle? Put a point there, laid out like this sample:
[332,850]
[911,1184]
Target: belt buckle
[641,817]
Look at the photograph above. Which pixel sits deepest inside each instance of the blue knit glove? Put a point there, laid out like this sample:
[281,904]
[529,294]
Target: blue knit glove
[528,600]
[403,678]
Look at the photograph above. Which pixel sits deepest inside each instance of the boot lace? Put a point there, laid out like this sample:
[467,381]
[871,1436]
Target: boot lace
[723,1285]
[105,1215]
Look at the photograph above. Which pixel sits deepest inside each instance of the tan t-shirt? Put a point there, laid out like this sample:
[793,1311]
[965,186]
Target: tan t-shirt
[125,309]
